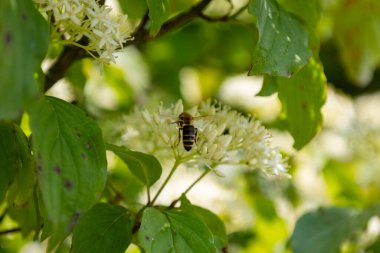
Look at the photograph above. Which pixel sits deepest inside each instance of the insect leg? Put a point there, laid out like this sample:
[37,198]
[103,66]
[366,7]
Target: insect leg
[195,135]
[179,136]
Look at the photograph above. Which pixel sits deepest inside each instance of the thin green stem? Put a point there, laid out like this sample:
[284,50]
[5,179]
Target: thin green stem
[175,166]
[148,193]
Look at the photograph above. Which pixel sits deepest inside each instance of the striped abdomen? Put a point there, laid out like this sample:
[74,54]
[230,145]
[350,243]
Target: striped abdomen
[189,133]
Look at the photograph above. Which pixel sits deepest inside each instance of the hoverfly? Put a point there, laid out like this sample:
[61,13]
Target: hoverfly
[189,132]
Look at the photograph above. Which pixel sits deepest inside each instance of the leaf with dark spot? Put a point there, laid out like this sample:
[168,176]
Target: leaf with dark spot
[80,182]
[24,39]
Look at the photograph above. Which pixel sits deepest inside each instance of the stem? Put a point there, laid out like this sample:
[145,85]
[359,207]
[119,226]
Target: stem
[175,166]
[148,193]
[191,186]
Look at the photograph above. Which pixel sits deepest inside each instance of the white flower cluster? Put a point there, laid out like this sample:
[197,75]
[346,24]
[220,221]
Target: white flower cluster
[224,136]
[75,19]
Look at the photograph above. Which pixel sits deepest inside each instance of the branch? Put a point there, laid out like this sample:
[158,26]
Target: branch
[9,231]
[72,54]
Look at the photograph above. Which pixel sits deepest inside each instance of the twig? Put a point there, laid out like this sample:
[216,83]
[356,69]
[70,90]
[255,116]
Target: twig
[9,231]
[226,17]
[72,54]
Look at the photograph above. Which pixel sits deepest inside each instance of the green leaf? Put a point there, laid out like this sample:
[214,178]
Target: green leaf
[26,215]
[302,97]
[282,48]
[22,203]
[174,231]
[309,11]
[324,230]
[15,159]
[158,14]
[104,228]
[134,9]
[213,222]
[71,162]
[23,44]
[143,166]
[356,32]
[269,86]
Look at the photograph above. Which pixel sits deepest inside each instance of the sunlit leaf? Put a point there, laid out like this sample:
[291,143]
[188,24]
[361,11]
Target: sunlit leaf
[158,13]
[104,228]
[174,231]
[302,97]
[324,230]
[356,30]
[282,48]
[143,166]
[71,162]
[23,44]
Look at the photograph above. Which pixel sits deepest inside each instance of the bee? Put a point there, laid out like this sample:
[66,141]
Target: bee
[189,132]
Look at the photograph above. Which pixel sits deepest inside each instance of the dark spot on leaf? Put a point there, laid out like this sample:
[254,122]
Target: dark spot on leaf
[73,221]
[79,134]
[304,106]
[83,155]
[57,169]
[147,238]
[225,249]
[24,17]
[8,38]
[39,156]
[68,184]
[39,168]
[88,145]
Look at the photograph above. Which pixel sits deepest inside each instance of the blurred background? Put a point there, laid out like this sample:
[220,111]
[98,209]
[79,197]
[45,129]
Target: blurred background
[339,167]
